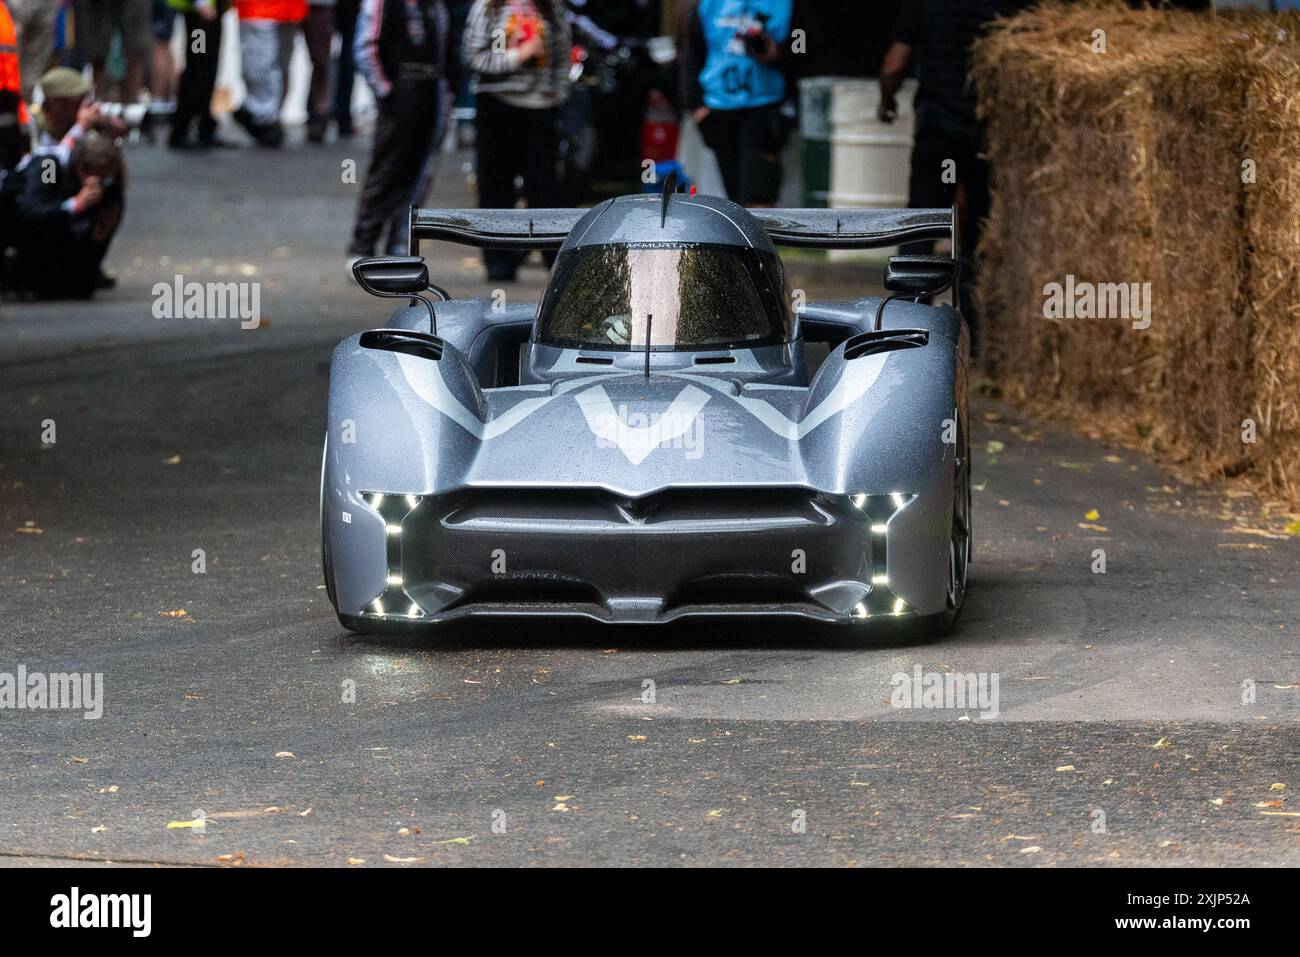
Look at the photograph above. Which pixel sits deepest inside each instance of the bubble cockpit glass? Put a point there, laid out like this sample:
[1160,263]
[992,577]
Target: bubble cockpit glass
[690,296]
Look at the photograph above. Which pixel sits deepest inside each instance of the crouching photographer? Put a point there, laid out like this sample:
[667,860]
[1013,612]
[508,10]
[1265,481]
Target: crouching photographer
[65,218]
[47,204]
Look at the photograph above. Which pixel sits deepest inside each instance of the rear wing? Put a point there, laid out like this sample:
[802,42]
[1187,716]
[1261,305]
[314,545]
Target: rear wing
[494,228]
[856,228]
[805,228]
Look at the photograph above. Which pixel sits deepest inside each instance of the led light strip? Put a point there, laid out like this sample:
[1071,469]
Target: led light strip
[880,601]
[393,601]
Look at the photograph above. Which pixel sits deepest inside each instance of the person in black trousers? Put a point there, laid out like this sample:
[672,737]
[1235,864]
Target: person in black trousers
[407,53]
[202,54]
[345,65]
[519,51]
[948,164]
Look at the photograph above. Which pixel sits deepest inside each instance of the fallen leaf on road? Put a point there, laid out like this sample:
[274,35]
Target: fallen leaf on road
[78,760]
[1093,527]
[29,528]
[1031,849]
[1092,515]
[1280,813]
[1162,743]
[636,737]
[197,822]
[111,789]
[1268,804]
[304,813]
[714,813]
[236,858]
[1066,767]
[456,840]
[561,807]
[1277,787]
[178,613]
[408,831]
[1217,802]
[285,754]
[173,460]
[994,446]
[732,681]
[356,860]
[1292,528]
[98,830]
[402,860]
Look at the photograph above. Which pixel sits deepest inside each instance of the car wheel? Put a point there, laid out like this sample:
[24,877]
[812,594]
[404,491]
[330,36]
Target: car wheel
[326,559]
[959,538]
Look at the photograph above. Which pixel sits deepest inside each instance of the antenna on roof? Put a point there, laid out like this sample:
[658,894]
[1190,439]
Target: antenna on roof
[670,187]
[649,320]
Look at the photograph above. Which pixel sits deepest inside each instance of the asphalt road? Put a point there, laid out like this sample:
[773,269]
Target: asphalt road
[1119,693]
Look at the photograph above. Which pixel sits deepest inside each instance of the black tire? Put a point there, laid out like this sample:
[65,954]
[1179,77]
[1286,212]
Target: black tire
[960,537]
[326,559]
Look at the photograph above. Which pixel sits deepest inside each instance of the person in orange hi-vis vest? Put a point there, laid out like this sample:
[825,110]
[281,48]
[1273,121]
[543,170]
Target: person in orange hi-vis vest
[13,111]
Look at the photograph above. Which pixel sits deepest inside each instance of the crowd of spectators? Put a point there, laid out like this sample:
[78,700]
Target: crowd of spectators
[77,76]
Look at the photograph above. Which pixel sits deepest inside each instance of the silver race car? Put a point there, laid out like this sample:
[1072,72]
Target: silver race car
[671,432]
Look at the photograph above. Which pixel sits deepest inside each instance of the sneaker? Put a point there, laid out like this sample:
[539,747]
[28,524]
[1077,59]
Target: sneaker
[316,126]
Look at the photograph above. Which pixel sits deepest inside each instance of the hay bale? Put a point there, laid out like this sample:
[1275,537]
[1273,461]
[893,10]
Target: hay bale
[1125,166]
[1272,115]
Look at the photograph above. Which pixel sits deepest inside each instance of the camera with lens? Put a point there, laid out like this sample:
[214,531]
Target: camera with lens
[755,37]
[133,115]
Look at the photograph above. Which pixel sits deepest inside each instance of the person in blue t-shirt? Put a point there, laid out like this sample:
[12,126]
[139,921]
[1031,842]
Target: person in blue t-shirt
[733,86]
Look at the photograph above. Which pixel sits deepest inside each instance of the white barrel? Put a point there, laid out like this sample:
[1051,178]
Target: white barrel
[870,160]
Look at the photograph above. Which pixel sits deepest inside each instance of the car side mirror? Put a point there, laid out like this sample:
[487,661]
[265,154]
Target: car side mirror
[392,276]
[919,276]
[395,277]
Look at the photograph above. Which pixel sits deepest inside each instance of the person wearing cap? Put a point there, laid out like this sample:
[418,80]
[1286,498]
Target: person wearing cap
[67,115]
[67,118]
